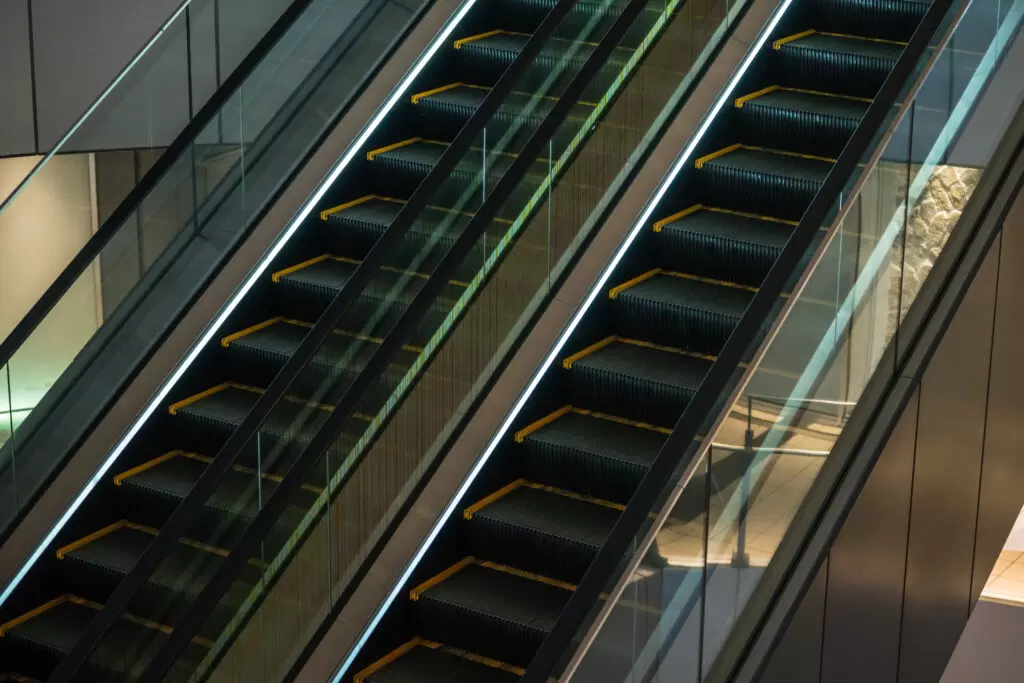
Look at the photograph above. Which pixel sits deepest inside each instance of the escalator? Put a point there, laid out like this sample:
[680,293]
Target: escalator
[50,609]
[494,582]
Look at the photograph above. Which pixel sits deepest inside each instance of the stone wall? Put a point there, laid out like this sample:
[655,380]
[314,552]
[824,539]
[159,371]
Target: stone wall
[928,227]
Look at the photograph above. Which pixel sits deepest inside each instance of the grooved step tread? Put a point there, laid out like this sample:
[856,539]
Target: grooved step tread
[464,99]
[175,477]
[422,155]
[390,286]
[549,514]
[603,439]
[500,596]
[377,214]
[814,103]
[281,340]
[58,628]
[423,664]
[768,162]
[507,46]
[651,364]
[669,291]
[847,45]
[731,227]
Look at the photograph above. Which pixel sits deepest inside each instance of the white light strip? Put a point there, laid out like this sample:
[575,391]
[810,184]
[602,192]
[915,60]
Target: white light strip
[211,331]
[652,204]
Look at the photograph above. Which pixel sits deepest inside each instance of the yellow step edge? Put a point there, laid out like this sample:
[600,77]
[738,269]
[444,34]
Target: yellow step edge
[565,493]
[32,614]
[353,335]
[356,202]
[226,341]
[708,280]
[669,349]
[427,93]
[758,216]
[789,39]
[521,435]
[63,551]
[480,36]
[416,592]
[487,500]
[402,650]
[699,163]
[387,659]
[175,407]
[829,94]
[740,101]
[128,474]
[525,432]
[676,216]
[853,37]
[593,348]
[374,153]
[276,277]
[522,574]
[614,292]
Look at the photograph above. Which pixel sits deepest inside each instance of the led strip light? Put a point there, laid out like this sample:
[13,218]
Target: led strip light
[652,204]
[212,330]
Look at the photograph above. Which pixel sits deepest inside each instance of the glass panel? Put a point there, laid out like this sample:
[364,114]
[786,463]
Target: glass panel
[98,332]
[402,420]
[880,243]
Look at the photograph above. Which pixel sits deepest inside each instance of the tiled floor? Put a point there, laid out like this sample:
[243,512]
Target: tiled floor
[1006,582]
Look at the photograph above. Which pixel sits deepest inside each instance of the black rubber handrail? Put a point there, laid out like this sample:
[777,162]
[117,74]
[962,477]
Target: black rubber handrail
[207,484]
[719,378]
[835,490]
[178,147]
[387,351]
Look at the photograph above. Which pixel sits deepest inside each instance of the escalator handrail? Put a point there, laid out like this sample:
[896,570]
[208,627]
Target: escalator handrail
[92,248]
[718,379]
[819,521]
[392,344]
[360,279]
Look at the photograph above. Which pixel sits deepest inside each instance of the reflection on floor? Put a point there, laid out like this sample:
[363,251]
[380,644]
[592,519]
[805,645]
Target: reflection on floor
[1006,582]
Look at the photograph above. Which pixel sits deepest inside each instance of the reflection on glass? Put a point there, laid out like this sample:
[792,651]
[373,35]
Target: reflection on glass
[889,227]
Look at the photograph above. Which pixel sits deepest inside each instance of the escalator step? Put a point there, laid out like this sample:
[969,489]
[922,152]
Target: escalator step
[52,629]
[425,661]
[490,609]
[460,100]
[724,245]
[638,381]
[666,307]
[890,19]
[172,476]
[750,178]
[541,529]
[332,369]
[850,65]
[593,455]
[108,555]
[800,120]
[436,227]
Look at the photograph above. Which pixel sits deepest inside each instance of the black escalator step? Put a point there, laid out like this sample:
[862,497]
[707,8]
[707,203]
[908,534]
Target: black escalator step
[52,629]
[460,100]
[592,454]
[800,120]
[751,178]
[721,244]
[669,307]
[542,529]
[109,554]
[891,19]
[384,300]
[636,380]
[415,156]
[494,610]
[372,215]
[426,661]
[337,363]
[172,475]
[17,678]
[850,65]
